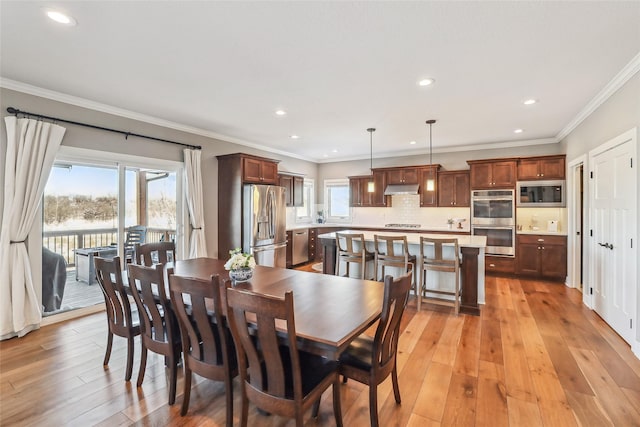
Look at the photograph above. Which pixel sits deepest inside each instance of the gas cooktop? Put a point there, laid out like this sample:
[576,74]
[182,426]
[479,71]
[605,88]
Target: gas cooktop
[402,225]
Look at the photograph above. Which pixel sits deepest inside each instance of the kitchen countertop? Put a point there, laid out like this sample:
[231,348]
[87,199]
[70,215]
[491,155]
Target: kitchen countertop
[414,238]
[542,232]
[423,229]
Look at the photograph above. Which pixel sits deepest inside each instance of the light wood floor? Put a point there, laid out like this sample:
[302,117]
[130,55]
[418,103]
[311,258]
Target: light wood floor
[535,357]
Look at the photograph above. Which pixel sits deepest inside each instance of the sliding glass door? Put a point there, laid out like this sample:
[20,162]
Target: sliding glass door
[91,209]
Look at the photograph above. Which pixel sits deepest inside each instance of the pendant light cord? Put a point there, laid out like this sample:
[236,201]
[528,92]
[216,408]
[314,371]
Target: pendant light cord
[371,131]
[430,123]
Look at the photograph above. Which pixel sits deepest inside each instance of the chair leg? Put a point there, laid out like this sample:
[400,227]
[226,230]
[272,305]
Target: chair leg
[129,371]
[228,385]
[244,415]
[394,380]
[373,404]
[187,391]
[143,365]
[316,408]
[337,406]
[107,354]
[173,379]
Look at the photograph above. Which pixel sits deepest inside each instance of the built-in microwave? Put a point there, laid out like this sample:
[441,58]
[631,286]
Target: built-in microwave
[541,193]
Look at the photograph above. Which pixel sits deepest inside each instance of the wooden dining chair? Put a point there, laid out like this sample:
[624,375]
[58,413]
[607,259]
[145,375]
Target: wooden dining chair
[277,379]
[122,321]
[370,360]
[388,255]
[160,331]
[346,252]
[207,344]
[154,253]
[431,254]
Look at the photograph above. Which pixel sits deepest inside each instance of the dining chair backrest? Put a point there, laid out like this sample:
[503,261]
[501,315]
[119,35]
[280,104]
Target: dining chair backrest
[385,347]
[148,287]
[207,345]
[267,377]
[118,308]
[154,253]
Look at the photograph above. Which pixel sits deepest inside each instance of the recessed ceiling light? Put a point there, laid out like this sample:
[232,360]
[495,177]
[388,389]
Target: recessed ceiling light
[325,155]
[518,131]
[426,82]
[334,150]
[412,142]
[281,113]
[60,18]
[530,101]
[294,137]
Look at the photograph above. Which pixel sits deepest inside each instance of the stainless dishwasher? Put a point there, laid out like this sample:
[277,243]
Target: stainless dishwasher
[300,248]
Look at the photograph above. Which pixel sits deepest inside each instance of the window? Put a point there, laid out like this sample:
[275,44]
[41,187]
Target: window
[336,200]
[305,212]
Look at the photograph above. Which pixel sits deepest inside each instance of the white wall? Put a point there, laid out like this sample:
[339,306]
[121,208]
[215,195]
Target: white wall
[617,115]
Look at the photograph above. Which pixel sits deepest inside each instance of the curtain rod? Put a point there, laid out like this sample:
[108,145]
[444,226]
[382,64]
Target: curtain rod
[15,111]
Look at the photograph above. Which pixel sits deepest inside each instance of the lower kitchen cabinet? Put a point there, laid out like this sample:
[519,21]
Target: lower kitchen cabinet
[314,253]
[541,256]
[499,264]
[289,259]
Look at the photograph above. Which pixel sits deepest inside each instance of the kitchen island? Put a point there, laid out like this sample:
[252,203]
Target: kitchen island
[471,271]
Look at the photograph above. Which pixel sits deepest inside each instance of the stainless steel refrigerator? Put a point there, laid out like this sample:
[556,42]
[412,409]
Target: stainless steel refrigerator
[264,224]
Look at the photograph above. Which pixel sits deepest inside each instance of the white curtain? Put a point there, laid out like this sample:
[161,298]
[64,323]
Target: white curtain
[31,149]
[193,194]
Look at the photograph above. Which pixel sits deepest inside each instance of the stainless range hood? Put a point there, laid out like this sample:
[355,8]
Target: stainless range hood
[401,189]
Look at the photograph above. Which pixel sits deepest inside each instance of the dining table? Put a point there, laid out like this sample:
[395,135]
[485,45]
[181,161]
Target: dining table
[329,311]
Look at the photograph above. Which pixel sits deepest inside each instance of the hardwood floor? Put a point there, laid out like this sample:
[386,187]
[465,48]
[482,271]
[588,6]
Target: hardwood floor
[535,357]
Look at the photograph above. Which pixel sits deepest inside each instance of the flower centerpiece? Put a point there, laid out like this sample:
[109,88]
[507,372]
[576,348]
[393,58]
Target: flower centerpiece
[240,265]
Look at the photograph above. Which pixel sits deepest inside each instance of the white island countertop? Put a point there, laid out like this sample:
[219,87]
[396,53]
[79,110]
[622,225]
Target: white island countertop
[413,238]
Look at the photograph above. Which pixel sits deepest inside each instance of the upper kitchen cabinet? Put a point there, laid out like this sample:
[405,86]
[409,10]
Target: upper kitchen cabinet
[293,189]
[489,174]
[429,197]
[360,197]
[453,189]
[259,170]
[541,168]
[403,175]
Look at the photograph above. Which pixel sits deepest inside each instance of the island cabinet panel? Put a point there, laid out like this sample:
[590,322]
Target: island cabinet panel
[487,174]
[259,171]
[453,189]
[541,168]
[289,256]
[428,198]
[402,175]
[541,256]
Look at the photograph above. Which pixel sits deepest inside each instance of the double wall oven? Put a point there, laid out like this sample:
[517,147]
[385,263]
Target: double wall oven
[493,214]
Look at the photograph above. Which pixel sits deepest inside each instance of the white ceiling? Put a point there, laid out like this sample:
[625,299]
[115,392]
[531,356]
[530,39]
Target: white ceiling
[337,68]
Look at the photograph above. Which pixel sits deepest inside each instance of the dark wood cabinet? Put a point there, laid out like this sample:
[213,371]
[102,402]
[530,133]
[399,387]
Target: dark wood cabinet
[541,168]
[360,197]
[289,256]
[233,171]
[314,253]
[487,174]
[541,256]
[405,175]
[428,198]
[293,189]
[453,189]
[259,171]
[499,265]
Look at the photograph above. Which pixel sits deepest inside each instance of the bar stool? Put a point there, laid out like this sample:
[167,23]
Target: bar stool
[438,263]
[349,255]
[386,256]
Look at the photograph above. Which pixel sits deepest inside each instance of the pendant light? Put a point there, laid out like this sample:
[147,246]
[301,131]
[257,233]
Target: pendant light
[431,183]
[371,187]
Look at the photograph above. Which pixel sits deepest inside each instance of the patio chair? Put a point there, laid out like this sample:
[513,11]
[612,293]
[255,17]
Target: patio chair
[135,234]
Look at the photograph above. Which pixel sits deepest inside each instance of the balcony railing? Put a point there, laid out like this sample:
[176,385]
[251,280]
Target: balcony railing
[64,242]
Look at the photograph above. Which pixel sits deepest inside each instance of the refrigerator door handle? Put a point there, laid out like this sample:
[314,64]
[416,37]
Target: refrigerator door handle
[270,247]
[272,216]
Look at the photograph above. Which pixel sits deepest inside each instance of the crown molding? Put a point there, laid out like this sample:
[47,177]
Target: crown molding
[616,83]
[454,149]
[104,108]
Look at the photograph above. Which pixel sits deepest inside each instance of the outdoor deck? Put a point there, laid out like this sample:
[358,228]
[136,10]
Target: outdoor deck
[78,294]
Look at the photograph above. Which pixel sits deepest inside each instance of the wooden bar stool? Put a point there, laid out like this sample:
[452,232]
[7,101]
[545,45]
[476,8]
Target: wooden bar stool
[346,253]
[436,262]
[387,256]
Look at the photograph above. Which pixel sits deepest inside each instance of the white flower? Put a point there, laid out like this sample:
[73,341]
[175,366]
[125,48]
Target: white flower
[239,260]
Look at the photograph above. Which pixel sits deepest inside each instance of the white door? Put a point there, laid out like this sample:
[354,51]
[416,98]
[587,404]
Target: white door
[613,253]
